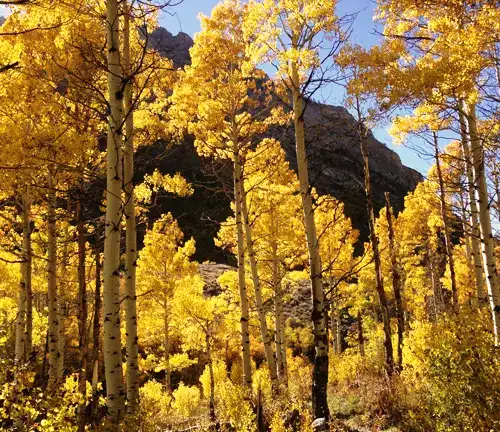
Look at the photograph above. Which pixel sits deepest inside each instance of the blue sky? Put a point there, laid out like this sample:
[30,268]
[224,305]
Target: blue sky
[184,17]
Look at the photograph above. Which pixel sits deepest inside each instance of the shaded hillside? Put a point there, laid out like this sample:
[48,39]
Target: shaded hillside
[334,160]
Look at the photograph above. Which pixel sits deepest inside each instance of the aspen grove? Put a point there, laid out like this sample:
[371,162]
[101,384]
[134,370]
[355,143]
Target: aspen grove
[195,236]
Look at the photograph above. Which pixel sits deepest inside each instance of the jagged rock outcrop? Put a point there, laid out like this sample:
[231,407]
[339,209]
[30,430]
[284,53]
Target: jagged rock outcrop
[334,160]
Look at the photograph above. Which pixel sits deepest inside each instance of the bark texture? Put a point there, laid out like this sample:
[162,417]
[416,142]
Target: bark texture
[244,320]
[482,198]
[111,299]
[475,231]
[320,330]
[55,370]
[132,347]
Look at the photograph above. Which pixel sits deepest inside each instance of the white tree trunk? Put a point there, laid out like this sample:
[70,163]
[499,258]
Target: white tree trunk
[55,359]
[482,198]
[475,233]
[111,298]
[320,331]
[266,337]
[132,347]
[244,320]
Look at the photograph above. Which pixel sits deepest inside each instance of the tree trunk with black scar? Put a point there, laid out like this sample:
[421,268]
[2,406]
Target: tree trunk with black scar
[475,232]
[114,212]
[132,348]
[244,319]
[482,198]
[389,357]
[54,354]
[396,280]
[320,330]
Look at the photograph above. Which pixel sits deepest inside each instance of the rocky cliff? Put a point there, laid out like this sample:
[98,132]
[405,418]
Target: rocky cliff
[333,155]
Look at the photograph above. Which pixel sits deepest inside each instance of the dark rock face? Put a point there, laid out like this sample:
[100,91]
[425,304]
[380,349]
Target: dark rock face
[334,160]
[175,47]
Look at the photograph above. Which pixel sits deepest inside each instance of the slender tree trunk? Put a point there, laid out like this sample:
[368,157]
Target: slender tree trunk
[54,354]
[22,351]
[20,348]
[444,217]
[266,337]
[481,194]
[131,231]
[64,287]
[468,253]
[436,287]
[166,333]
[389,357]
[320,330]
[96,321]
[211,402]
[245,333]
[335,318]
[283,337]
[82,312]
[278,330]
[112,337]
[475,234]
[361,338]
[396,281]
[27,249]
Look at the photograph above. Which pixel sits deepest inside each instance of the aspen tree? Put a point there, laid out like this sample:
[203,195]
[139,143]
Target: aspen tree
[475,234]
[226,112]
[482,199]
[396,280]
[444,216]
[111,300]
[54,318]
[28,267]
[131,232]
[291,36]
[389,355]
[82,310]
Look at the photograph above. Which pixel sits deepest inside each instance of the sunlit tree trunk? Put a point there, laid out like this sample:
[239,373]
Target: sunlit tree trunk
[468,251]
[22,349]
[244,320]
[475,234]
[54,354]
[389,357]
[166,346]
[320,330]
[131,231]
[266,337]
[396,280]
[82,312]
[446,225]
[482,198]
[278,330]
[111,299]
